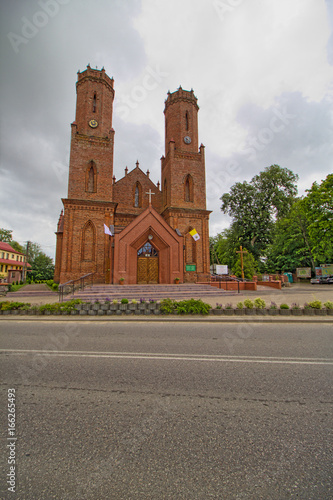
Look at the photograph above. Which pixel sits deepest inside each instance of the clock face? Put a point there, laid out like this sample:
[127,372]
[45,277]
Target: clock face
[93,123]
[187,139]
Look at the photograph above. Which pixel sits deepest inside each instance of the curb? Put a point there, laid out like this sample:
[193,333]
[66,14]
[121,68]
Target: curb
[172,319]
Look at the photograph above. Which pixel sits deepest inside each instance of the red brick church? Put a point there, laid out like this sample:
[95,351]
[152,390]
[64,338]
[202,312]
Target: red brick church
[150,224]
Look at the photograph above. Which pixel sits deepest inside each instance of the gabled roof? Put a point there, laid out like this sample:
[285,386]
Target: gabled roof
[5,247]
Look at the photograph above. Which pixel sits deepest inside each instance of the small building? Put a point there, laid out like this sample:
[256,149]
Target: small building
[12,264]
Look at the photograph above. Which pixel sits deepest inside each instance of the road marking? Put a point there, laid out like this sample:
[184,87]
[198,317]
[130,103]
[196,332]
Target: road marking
[170,357]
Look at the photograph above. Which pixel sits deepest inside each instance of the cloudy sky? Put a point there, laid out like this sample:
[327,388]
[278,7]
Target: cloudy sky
[262,71]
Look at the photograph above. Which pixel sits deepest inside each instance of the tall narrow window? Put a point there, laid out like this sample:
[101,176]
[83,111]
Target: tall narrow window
[186,121]
[91,180]
[94,103]
[91,177]
[136,196]
[88,242]
[188,188]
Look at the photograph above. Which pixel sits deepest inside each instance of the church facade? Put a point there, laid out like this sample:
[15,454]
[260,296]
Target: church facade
[150,224]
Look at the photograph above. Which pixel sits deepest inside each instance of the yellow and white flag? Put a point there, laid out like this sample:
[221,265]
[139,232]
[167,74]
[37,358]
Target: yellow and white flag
[194,235]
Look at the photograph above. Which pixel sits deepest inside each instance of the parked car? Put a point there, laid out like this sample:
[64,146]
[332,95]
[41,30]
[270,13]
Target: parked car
[322,280]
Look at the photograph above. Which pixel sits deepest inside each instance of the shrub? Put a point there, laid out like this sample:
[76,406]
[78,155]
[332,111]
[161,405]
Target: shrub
[192,306]
[315,304]
[55,286]
[115,301]
[124,301]
[328,304]
[284,306]
[248,304]
[167,306]
[228,306]
[218,306]
[273,305]
[9,306]
[259,303]
[240,305]
[295,306]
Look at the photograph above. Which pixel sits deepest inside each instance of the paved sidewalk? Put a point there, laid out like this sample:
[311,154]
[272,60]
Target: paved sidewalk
[298,292]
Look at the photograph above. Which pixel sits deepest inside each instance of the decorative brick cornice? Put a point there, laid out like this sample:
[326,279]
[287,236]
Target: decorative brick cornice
[93,205]
[106,141]
[190,212]
[181,95]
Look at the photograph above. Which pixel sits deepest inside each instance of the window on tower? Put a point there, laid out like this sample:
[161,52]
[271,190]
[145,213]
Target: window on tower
[186,121]
[94,103]
[188,188]
[91,178]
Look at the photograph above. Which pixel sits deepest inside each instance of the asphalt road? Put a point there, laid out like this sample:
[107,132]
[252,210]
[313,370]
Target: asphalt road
[167,410]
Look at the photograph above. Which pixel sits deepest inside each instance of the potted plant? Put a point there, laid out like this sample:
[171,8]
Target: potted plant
[123,304]
[239,311]
[296,310]
[284,310]
[177,280]
[329,307]
[273,309]
[248,306]
[218,310]
[317,306]
[260,306]
[121,281]
[308,310]
[229,310]
[133,305]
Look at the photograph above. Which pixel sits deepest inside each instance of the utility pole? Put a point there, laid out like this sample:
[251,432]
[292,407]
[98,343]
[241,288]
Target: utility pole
[241,251]
[25,266]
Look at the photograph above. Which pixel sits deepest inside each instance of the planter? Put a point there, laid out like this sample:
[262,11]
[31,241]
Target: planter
[133,307]
[217,312]
[249,311]
[329,312]
[74,311]
[123,307]
[121,282]
[239,312]
[105,307]
[128,311]
[309,312]
[114,307]
[101,312]
[285,312]
[142,306]
[272,312]
[152,306]
[262,312]
[228,312]
[320,312]
[92,312]
[296,312]
[83,312]
[96,307]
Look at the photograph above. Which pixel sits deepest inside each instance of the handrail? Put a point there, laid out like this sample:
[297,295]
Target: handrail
[222,278]
[70,285]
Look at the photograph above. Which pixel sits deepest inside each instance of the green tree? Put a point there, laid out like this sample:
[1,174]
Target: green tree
[42,267]
[6,235]
[249,266]
[318,208]
[17,246]
[255,206]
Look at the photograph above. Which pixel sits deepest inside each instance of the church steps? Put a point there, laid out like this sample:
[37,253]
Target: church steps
[146,292]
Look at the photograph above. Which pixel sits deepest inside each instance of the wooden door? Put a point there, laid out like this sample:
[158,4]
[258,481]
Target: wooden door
[147,270]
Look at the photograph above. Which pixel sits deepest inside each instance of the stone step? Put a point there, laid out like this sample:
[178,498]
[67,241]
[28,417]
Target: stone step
[146,292]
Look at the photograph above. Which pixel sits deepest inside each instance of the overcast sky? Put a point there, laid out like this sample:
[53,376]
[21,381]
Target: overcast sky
[262,71]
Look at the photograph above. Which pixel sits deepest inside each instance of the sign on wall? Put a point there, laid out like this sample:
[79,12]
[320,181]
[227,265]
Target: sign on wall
[221,269]
[303,272]
[191,267]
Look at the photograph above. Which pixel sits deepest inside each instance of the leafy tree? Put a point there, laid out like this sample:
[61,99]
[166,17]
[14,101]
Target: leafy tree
[255,206]
[17,246]
[6,235]
[42,267]
[318,208]
[249,266]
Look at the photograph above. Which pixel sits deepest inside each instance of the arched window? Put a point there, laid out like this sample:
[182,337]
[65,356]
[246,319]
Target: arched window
[94,103]
[137,195]
[186,121]
[88,242]
[188,188]
[165,192]
[91,178]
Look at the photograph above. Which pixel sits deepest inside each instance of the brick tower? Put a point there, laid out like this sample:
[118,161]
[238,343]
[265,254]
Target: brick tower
[183,182]
[83,248]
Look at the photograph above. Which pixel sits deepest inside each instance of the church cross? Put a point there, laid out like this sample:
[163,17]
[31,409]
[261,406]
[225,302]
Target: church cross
[241,251]
[149,194]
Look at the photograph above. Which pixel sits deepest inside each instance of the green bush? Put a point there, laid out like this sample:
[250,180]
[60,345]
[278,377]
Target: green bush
[168,306]
[240,305]
[191,306]
[284,306]
[9,306]
[248,304]
[328,304]
[55,287]
[315,304]
[259,303]
[124,301]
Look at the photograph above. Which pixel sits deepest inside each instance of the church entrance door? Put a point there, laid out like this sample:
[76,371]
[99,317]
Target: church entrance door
[147,264]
